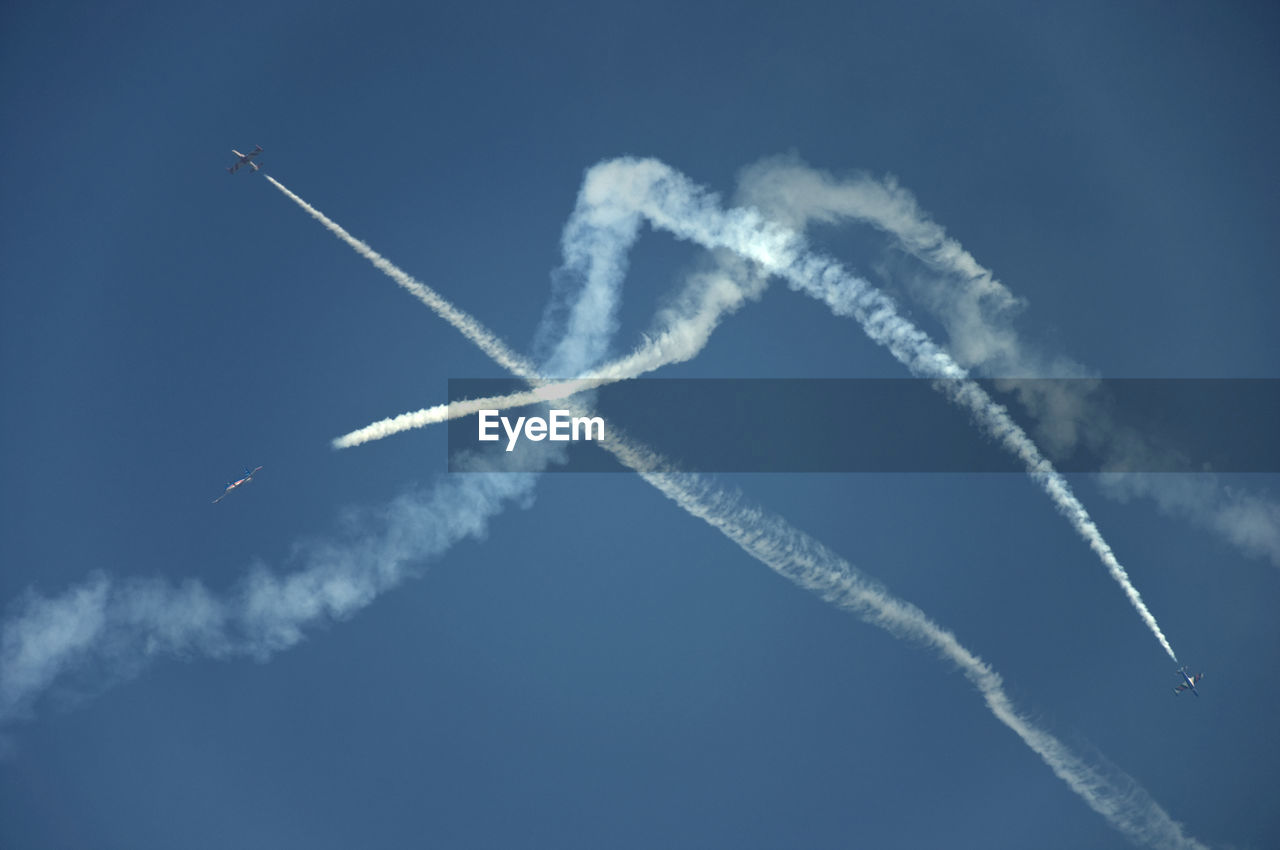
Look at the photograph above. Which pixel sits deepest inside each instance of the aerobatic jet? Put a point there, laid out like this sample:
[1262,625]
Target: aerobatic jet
[231,485]
[245,159]
[1188,682]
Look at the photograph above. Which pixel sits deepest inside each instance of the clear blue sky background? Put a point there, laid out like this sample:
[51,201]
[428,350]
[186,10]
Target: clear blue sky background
[603,670]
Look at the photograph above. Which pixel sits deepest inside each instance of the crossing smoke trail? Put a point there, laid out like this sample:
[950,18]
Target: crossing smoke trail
[670,201]
[976,310]
[466,407]
[793,194]
[812,566]
[692,332]
[681,330]
[111,628]
[115,627]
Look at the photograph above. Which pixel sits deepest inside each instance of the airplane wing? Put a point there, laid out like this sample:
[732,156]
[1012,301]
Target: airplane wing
[1189,684]
[248,476]
[245,158]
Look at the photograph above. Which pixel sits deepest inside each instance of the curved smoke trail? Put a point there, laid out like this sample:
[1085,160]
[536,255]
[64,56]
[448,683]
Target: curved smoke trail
[977,309]
[670,201]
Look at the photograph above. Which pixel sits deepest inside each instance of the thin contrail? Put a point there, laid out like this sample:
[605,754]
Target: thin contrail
[669,200]
[811,565]
[473,330]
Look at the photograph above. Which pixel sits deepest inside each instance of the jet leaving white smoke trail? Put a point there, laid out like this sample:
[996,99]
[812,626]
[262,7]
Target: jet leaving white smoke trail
[670,201]
[811,565]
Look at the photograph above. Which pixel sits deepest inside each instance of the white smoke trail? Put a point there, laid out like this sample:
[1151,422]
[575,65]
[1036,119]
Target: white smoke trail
[469,327]
[688,325]
[624,189]
[811,565]
[790,192]
[680,332]
[670,201]
[977,312]
[109,629]
[467,407]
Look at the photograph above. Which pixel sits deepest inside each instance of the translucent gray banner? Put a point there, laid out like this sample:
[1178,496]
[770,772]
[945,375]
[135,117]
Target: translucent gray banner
[893,425]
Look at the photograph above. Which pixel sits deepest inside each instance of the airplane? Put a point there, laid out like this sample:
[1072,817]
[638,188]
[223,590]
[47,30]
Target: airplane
[1188,682]
[231,485]
[245,159]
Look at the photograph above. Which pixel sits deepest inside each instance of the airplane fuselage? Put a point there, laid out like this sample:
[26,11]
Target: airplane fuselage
[1188,683]
[245,159]
[231,485]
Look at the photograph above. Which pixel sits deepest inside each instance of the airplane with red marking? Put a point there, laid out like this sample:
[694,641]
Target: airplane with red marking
[231,485]
[245,159]
[1188,682]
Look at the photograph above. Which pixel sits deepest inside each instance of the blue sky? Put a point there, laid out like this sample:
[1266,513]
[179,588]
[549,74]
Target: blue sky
[598,667]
